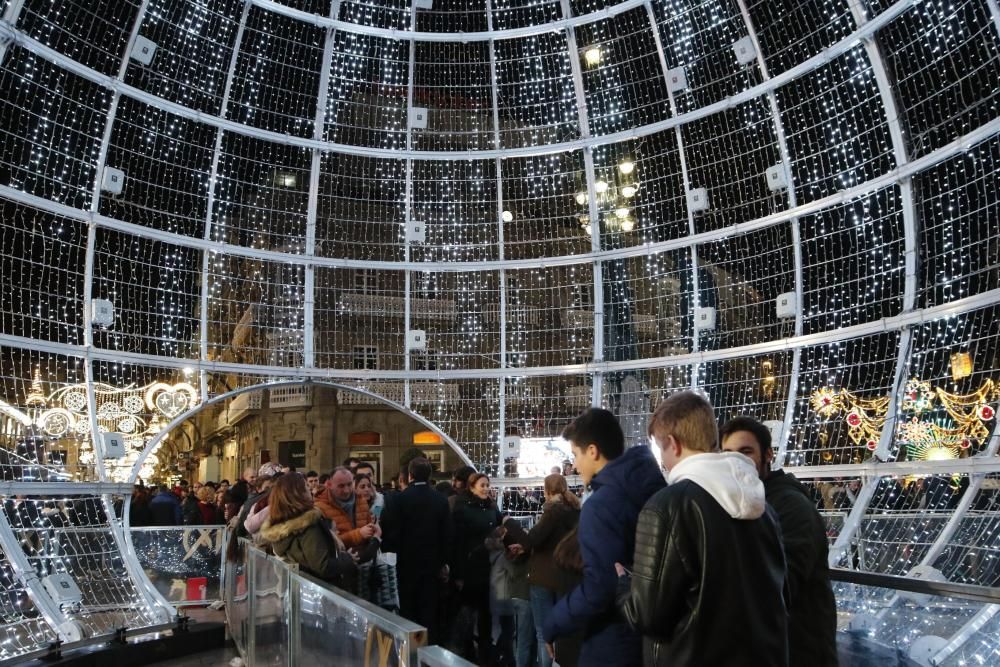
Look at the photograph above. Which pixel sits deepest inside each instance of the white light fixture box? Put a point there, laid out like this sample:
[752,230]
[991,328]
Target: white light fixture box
[416,339]
[786,305]
[418,118]
[697,199]
[102,312]
[677,79]
[744,50]
[113,181]
[704,319]
[143,50]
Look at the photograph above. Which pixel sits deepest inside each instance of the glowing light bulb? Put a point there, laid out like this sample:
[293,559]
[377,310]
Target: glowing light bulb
[628,224]
[622,212]
[507,216]
[629,191]
[581,198]
[592,56]
[626,167]
[601,186]
[588,228]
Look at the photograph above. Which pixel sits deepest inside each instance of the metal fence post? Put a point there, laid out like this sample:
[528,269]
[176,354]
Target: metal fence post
[251,620]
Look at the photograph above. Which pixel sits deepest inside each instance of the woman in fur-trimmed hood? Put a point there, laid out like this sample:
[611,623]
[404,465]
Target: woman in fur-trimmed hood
[298,532]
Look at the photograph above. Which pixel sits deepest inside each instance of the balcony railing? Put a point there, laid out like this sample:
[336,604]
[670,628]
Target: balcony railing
[240,407]
[515,313]
[385,305]
[420,393]
[295,396]
[645,325]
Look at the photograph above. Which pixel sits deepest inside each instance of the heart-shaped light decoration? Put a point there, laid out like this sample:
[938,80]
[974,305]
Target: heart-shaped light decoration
[171,401]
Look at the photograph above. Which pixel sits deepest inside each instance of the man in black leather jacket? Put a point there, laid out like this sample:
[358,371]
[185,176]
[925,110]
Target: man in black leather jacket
[709,571]
[812,622]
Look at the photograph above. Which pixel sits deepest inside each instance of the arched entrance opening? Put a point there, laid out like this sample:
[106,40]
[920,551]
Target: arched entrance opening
[307,425]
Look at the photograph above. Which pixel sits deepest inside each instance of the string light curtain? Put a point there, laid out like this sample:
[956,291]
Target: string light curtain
[789,206]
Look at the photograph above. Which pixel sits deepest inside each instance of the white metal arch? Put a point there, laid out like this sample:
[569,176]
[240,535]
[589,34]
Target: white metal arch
[181,418]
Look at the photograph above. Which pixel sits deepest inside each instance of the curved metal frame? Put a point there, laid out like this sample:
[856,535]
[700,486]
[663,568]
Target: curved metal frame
[865,31]
[179,419]
[820,59]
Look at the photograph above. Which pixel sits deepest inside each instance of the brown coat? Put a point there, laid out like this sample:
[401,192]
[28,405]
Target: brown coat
[558,520]
[348,531]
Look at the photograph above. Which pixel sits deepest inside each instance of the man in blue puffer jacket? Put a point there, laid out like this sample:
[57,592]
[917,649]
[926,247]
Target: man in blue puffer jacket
[622,481]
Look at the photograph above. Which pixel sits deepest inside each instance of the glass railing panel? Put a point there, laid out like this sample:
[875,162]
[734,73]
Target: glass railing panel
[981,644]
[237,600]
[345,630]
[269,612]
[929,628]
[184,563]
[436,656]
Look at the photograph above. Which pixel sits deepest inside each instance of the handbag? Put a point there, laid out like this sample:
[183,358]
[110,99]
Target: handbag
[378,582]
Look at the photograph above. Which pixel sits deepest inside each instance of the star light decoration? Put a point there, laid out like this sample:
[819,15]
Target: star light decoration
[864,416]
[926,434]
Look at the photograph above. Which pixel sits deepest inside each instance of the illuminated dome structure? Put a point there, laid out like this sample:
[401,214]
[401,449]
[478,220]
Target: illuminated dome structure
[495,213]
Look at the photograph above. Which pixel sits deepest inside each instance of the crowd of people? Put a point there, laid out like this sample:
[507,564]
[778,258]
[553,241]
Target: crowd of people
[708,558]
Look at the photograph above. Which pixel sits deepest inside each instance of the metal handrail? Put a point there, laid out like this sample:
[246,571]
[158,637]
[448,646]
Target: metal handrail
[939,588]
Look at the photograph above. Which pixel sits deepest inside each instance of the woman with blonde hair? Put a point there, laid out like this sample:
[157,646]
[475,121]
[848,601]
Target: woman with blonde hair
[206,506]
[560,515]
[297,531]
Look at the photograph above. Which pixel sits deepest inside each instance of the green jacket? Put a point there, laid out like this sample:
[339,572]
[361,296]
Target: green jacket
[812,611]
[308,540]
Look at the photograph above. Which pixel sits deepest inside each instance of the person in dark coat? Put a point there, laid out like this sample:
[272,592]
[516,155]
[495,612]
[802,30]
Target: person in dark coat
[475,516]
[709,577]
[416,525]
[190,512]
[812,609]
[165,509]
[138,509]
[569,574]
[560,514]
[297,531]
[622,480]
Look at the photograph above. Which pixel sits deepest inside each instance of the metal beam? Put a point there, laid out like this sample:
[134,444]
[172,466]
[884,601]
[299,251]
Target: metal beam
[786,161]
[573,53]
[189,414]
[950,309]
[319,126]
[502,308]
[213,176]
[66,629]
[686,181]
[9,18]
[965,633]
[408,212]
[956,147]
